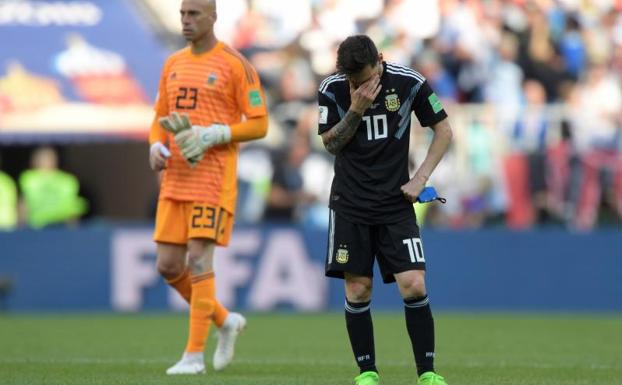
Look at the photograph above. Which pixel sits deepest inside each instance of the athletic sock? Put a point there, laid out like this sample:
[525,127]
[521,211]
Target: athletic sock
[420,326]
[201,310]
[220,314]
[183,284]
[361,333]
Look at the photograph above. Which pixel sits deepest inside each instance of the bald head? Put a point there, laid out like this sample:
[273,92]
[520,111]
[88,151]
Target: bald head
[202,5]
[197,20]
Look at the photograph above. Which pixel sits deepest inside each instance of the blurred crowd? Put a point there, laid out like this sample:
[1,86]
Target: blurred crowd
[533,90]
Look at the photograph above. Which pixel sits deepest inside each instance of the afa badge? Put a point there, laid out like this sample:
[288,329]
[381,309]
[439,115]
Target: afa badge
[342,255]
[211,79]
[392,101]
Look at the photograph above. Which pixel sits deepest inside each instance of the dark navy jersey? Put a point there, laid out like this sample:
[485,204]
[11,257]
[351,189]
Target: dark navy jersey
[372,167]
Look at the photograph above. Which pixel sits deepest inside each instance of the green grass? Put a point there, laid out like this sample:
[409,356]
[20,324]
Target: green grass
[312,349]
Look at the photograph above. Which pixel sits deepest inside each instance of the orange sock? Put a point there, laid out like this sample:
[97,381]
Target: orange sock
[201,310]
[183,284]
[220,314]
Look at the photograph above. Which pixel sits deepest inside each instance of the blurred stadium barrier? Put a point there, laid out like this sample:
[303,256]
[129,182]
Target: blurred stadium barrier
[274,267]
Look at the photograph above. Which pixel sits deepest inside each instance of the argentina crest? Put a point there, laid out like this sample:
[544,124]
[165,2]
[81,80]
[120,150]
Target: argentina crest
[342,255]
[392,101]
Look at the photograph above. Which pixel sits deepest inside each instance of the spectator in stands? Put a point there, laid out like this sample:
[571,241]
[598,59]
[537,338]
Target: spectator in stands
[50,195]
[532,130]
[504,83]
[8,201]
[572,48]
[598,139]
[287,197]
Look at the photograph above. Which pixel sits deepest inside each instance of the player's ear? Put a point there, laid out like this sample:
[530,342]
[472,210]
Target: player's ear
[380,58]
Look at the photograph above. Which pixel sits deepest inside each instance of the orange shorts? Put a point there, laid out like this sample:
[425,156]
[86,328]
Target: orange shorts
[178,221]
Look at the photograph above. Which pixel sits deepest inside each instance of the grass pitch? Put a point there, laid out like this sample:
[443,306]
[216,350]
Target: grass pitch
[312,349]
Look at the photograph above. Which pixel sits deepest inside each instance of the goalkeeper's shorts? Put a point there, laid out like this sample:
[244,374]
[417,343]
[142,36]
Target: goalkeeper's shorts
[178,221]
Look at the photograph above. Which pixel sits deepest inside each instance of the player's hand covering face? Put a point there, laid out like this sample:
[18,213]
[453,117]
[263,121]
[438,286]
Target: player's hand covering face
[363,96]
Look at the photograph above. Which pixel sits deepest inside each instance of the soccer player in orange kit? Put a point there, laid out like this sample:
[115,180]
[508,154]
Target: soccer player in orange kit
[209,99]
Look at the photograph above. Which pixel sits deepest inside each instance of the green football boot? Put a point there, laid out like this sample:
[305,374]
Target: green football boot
[367,378]
[431,378]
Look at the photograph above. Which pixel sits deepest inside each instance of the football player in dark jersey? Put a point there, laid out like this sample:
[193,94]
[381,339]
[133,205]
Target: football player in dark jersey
[364,120]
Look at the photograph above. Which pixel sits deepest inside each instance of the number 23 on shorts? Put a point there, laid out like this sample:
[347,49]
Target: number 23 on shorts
[206,221]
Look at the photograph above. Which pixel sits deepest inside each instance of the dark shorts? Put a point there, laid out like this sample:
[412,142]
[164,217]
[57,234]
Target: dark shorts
[353,247]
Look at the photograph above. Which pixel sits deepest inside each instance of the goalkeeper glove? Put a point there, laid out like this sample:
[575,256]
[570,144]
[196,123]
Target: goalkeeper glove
[175,123]
[194,142]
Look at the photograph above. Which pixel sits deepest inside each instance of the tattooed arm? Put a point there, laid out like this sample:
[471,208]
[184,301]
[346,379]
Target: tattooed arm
[341,133]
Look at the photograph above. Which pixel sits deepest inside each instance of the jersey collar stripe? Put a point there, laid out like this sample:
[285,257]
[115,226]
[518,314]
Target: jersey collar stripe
[406,74]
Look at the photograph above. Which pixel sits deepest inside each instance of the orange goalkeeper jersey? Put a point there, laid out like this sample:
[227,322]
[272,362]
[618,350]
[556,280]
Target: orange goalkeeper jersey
[217,86]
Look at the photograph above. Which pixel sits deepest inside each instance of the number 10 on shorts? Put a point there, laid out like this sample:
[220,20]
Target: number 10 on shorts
[415,249]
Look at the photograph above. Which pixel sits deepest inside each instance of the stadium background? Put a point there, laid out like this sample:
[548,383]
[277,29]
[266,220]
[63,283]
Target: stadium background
[533,180]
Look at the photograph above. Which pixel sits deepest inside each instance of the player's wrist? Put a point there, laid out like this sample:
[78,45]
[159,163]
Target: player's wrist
[223,133]
[421,178]
[357,110]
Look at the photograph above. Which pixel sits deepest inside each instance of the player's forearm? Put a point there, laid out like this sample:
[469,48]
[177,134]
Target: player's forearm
[254,128]
[341,133]
[439,146]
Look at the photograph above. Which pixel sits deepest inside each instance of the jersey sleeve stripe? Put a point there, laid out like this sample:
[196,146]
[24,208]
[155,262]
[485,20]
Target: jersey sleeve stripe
[325,87]
[416,75]
[330,78]
[247,66]
[419,79]
[405,70]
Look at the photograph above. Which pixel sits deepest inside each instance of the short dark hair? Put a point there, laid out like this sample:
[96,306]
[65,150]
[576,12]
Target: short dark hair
[355,53]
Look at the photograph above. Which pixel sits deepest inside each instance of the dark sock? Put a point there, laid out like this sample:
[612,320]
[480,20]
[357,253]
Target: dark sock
[361,332]
[420,325]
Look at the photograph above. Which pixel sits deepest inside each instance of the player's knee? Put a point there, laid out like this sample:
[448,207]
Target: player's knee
[413,287]
[195,256]
[199,262]
[169,270]
[358,291]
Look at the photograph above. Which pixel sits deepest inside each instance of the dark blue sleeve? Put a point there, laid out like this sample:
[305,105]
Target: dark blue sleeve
[427,106]
[329,111]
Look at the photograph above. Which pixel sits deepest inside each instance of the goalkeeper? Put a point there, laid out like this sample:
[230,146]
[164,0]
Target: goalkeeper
[209,99]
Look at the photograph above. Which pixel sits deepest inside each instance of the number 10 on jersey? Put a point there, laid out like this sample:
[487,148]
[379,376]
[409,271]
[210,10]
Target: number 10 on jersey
[415,249]
[376,128]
